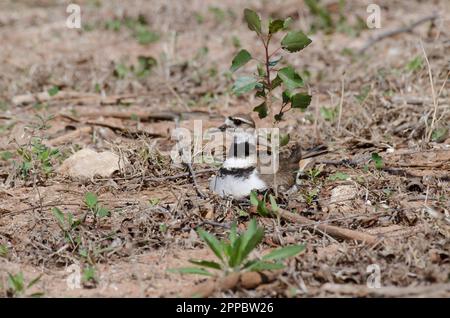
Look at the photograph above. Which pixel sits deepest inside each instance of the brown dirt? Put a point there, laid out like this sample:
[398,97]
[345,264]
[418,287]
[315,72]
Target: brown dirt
[406,204]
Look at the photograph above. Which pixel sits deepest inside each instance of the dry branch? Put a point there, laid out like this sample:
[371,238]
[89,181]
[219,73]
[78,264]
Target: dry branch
[334,231]
[435,290]
[74,97]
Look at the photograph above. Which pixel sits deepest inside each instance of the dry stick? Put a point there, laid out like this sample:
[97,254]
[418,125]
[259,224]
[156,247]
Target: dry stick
[341,103]
[388,291]
[247,280]
[394,32]
[334,231]
[433,93]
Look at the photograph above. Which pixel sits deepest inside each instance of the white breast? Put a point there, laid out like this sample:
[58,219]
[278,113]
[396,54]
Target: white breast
[235,187]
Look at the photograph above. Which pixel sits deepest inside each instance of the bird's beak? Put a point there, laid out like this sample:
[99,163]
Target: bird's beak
[223,127]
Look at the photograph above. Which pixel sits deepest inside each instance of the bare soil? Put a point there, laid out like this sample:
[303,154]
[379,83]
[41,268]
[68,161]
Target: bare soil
[386,106]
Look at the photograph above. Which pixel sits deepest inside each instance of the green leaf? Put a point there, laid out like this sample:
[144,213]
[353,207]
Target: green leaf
[103,212]
[190,270]
[264,266]
[89,274]
[3,250]
[203,263]
[287,23]
[233,233]
[253,20]
[6,155]
[34,281]
[251,238]
[91,200]
[53,91]
[240,60]
[361,97]
[273,203]
[338,176]
[244,84]
[275,26]
[301,101]
[290,78]
[284,139]
[213,243]
[378,160]
[254,198]
[59,216]
[276,82]
[295,41]
[439,134]
[415,64]
[284,252]
[261,110]
[16,282]
[273,63]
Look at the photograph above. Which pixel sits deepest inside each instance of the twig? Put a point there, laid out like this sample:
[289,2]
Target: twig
[389,291]
[341,102]
[433,93]
[194,180]
[334,231]
[394,32]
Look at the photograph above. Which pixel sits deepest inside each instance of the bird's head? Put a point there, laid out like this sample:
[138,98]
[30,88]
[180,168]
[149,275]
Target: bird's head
[238,121]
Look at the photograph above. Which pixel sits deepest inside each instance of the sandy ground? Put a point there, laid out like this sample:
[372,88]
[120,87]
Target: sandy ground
[387,108]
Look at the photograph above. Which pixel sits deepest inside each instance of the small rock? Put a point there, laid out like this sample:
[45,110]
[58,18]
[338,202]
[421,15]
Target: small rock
[87,163]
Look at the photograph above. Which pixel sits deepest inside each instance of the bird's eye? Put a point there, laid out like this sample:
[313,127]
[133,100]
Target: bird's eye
[237,122]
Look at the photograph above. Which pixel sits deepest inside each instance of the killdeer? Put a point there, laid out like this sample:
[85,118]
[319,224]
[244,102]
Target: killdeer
[241,171]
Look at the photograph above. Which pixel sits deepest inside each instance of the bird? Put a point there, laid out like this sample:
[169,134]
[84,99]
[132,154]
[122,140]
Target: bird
[242,171]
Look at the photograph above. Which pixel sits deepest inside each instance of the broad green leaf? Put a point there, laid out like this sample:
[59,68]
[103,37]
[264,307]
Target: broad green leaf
[287,23]
[244,84]
[284,139]
[261,70]
[275,26]
[262,209]
[91,200]
[295,41]
[53,91]
[213,243]
[103,212]
[6,155]
[261,110]
[240,60]
[190,270]
[276,82]
[203,263]
[415,64]
[290,78]
[284,252]
[59,216]
[286,95]
[301,101]
[253,20]
[264,266]
[338,176]
[378,160]
[439,134]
